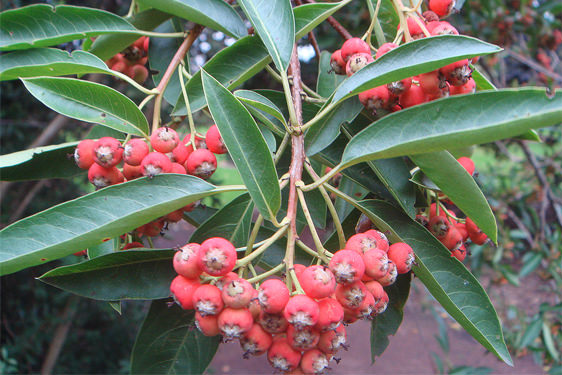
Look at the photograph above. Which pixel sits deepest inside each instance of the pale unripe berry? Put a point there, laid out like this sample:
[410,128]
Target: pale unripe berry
[317,282]
[108,152]
[376,263]
[207,300]
[390,276]
[135,150]
[302,339]
[256,341]
[357,62]
[155,163]
[185,261]
[217,256]
[201,163]
[164,139]
[282,356]
[234,323]
[214,141]
[101,177]
[314,362]
[182,290]
[331,314]
[84,153]
[347,266]
[273,295]
[301,311]
[237,293]
[208,324]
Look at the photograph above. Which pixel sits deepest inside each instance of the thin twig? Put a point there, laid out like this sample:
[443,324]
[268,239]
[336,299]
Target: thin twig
[336,25]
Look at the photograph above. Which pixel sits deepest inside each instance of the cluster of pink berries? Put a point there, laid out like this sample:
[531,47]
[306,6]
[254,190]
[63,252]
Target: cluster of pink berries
[169,155]
[444,224]
[452,79]
[298,331]
[132,60]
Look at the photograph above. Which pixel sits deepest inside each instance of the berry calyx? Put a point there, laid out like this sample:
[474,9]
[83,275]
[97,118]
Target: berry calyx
[108,152]
[164,139]
[256,341]
[217,256]
[201,163]
[207,300]
[347,266]
[282,356]
[237,293]
[101,177]
[336,62]
[357,62]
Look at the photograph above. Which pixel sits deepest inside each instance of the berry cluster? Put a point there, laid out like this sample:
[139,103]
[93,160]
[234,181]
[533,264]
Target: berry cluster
[164,154]
[300,330]
[132,60]
[452,79]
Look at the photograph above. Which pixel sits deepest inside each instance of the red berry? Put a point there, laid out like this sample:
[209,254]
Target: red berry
[135,150]
[301,311]
[453,239]
[412,97]
[108,152]
[367,307]
[459,253]
[441,7]
[131,172]
[331,314]
[185,261]
[84,153]
[120,66]
[199,142]
[336,62]
[207,300]
[468,88]
[380,238]
[256,341]
[133,245]
[302,339]
[382,304]
[467,164]
[180,154]
[217,256]
[273,323]
[476,235]
[330,342]
[457,73]
[154,228]
[273,295]
[237,293]
[226,279]
[179,169]
[352,46]
[390,276]
[282,356]
[361,242]
[376,263]
[375,98]
[442,28]
[234,323]
[399,87]
[351,296]
[101,177]
[317,282]
[439,226]
[356,62]
[214,142]
[414,27]
[314,362]
[164,139]
[182,290]
[461,227]
[431,83]
[155,163]
[347,266]
[430,16]
[384,48]
[207,324]
[402,255]
[201,163]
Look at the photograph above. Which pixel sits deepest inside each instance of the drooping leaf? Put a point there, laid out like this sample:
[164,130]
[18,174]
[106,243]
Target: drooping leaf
[245,145]
[274,22]
[410,59]
[231,222]
[39,162]
[452,285]
[48,62]
[450,123]
[327,80]
[75,225]
[216,14]
[90,102]
[128,274]
[455,182]
[169,343]
[42,25]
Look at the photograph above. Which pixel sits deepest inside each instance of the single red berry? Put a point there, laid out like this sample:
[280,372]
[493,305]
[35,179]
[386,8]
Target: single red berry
[412,97]
[314,362]
[199,142]
[356,62]
[185,261]
[332,341]
[347,266]
[380,238]
[431,83]
[101,177]
[476,235]
[201,163]
[367,307]
[467,164]
[164,139]
[439,226]
[376,263]
[351,296]
[84,153]
[302,339]
[256,341]
[207,324]
[459,253]
[214,142]
[273,295]
[108,152]
[207,300]
[138,72]
[273,323]
[468,88]
[384,48]
[301,311]
[331,314]
[376,289]
[414,27]
[441,7]
[178,168]
[317,282]
[254,305]
[155,163]
[461,227]
[390,276]
[361,242]
[180,154]
[457,73]
[336,62]
[182,290]
[120,66]
[226,279]
[237,293]
[399,87]
[442,28]
[352,46]
[217,256]
[282,356]
[154,228]
[135,150]
[382,304]
[131,172]
[402,255]
[375,98]
[234,323]
[139,43]
[423,220]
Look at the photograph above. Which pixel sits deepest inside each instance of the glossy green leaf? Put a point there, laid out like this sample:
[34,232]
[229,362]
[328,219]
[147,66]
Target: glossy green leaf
[388,18]
[48,62]
[130,274]
[349,187]
[245,145]
[308,16]
[216,14]
[169,343]
[327,80]
[106,46]
[410,59]
[455,182]
[387,323]
[75,225]
[450,123]
[231,222]
[90,102]
[53,161]
[106,247]
[269,139]
[452,285]
[274,23]
[531,333]
[43,25]
[260,102]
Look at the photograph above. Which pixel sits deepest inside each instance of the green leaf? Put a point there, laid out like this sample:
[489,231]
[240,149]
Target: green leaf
[308,16]
[410,59]
[327,80]
[262,103]
[48,62]
[452,285]
[531,333]
[455,182]
[246,146]
[352,189]
[549,342]
[106,247]
[39,162]
[450,123]
[90,102]
[388,18]
[129,274]
[387,323]
[216,14]
[231,222]
[43,25]
[78,224]
[169,343]
[274,22]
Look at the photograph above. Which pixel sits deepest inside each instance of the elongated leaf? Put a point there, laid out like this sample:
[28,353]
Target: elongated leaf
[245,145]
[40,162]
[388,18]
[169,343]
[260,102]
[106,247]
[75,225]
[129,274]
[43,25]
[216,14]
[352,189]
[453,180]
[308,16]
[387,323]
[48,62]
[231,222]
[327,80]
[410,59]
[274,22]
[452,285]
[90,102]
[450,123]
